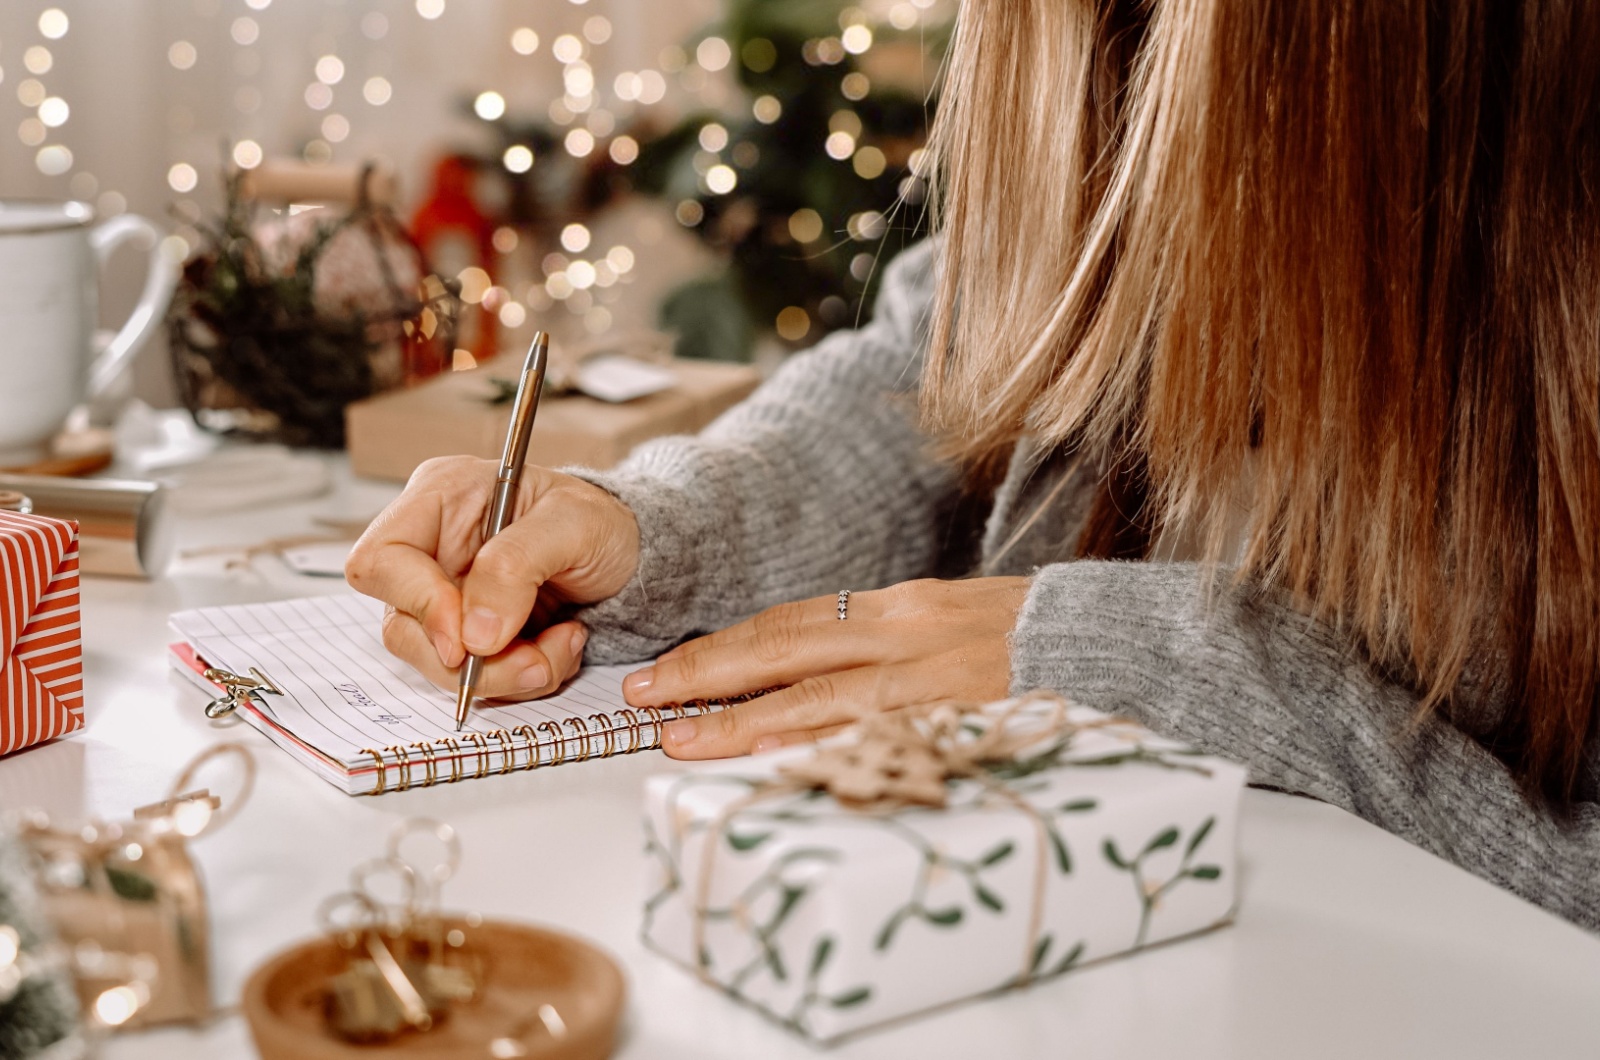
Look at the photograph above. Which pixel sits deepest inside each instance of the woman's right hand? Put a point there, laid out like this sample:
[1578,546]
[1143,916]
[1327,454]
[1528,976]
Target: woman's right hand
[449,592]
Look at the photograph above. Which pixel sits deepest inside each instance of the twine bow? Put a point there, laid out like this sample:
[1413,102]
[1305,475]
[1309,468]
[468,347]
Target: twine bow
[907,758]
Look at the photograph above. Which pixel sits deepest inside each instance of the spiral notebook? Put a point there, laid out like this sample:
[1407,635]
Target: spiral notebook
[331,695]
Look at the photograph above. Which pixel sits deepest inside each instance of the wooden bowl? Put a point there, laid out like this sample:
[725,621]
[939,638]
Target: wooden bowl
[524,967]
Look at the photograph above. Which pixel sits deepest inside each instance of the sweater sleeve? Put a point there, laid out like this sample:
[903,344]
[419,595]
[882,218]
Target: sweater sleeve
[819,481]
[1241,675]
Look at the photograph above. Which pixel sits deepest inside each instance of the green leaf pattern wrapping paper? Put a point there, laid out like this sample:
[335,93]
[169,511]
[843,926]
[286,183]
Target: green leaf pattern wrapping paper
[832,920]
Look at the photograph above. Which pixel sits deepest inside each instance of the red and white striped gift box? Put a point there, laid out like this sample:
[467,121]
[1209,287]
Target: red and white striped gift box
[41,645]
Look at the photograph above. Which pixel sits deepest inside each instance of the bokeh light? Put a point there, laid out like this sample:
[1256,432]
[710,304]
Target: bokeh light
[793,323]
[624,150]
[805,225]
[579,143]
[182,178]
[489,105]
[575,238]
[53,161]
[247,154]
[767,109]
[54,112]
[182,55]
[713,53]
[53,23]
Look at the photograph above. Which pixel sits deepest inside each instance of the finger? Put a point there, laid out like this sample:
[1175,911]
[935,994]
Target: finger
[777,741]
[556,653]
[404,575]
[413,553]
[502,586]
[800,612]
[781,647]
[519,672]
[819,702]
[562,647]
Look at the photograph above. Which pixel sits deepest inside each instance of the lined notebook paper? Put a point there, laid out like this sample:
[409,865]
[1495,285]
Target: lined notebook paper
[369,723]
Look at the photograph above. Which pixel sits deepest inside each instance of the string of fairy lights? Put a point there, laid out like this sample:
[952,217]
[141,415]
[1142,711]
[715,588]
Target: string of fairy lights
[594,103]
[41,130]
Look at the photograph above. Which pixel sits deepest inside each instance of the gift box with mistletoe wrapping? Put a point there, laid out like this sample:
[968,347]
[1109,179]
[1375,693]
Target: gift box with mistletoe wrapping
[923,858]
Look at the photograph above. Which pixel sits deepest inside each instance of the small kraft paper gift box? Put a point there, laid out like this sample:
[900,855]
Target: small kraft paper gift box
[921,858]
[41,648]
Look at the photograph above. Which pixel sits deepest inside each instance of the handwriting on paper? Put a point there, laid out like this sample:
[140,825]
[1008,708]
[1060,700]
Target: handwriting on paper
[354,696]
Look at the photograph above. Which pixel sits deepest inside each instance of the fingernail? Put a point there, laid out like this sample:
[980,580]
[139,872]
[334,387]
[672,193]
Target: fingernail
[680,733]
[535,676]
[639,681]
[446,650]
[481,630]
[580,637]
[768,743]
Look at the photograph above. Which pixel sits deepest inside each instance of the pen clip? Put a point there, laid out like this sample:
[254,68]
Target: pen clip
[237,690]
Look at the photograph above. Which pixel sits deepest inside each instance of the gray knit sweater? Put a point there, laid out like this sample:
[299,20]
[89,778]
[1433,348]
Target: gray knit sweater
[822,481]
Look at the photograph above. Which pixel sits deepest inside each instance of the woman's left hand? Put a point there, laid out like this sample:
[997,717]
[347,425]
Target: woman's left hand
[917,642]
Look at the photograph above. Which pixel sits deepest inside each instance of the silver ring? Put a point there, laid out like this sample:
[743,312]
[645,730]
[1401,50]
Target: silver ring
[844,604]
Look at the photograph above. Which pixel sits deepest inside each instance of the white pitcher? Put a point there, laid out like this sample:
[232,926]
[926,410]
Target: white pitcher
[50,254]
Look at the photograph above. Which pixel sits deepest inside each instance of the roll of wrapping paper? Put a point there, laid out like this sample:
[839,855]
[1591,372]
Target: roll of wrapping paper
[123,526]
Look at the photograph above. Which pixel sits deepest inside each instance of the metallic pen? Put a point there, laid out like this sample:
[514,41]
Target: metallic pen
[504,502]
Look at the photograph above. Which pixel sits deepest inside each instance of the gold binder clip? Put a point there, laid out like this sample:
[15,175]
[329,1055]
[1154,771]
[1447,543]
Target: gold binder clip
[237,690]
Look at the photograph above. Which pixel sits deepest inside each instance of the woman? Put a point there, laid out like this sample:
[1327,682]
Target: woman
[1298,305]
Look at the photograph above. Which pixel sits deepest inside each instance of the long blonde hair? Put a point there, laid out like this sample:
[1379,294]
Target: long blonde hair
[1352,243]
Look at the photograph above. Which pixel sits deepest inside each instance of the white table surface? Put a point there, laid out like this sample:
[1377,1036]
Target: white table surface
[1349,942]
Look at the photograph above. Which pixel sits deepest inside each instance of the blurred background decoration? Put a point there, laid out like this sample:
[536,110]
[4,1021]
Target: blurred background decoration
[735,171]
[277,325]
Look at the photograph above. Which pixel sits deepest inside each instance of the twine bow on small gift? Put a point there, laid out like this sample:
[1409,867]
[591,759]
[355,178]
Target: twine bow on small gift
[908,758]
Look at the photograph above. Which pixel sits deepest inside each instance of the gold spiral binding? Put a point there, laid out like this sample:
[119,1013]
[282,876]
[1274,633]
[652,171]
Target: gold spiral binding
[558,743]
[584,734]
[579,727]
[454,747]
[507,751]
[513,735]
[378,758]
[655,726]
[632,727]
[526,732]
[608,730]
[430,767]
[402,767]
[482,758]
